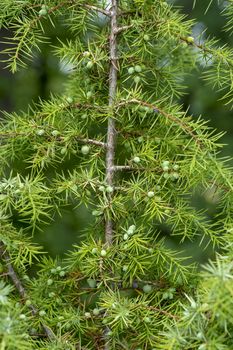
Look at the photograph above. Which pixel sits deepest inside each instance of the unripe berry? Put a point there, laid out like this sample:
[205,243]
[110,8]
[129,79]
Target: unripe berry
[58,268]
[140,139]
[150,194]
[85,149]
[89,94]
[103,252]
[43,12]
[147,288]
[91,283]
[147,319]
[63,150]
[124,268]
[166,176]
[49,282]
[165,168]
[52,295]
[55,133]
[190,39]
[109,189]
[94,251]
[131,230]
[69,99]
[150,250]
[53,271]
[137,79]
[40,132]
[101,188]
[175,176]
[86,54]
[42,313]
[146,37]
[89,65]
[96,312]
[131,70]
[165,163]
[176,167]
[125,237]
[62,274]
[138,69]
[136,160]
[28,302]
[22,317]
[87,315]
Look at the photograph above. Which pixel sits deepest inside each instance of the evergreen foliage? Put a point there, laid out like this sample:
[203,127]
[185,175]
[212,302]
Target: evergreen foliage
[138,156]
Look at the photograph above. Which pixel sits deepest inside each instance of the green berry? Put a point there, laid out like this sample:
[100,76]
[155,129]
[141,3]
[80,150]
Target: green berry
[166,176]
[53,271]
[52,295]
[103,252]
[165,168]
[101,188]
[165,163]
[87,314]
[96,312]
[131,70]
[150,194]
[175,176]
[84,116]
[147,319]
[176,167]
[40,132]
[140,139]
[86,54]
[69,99]
[184,45]
[131,230]
[94,251]
[62,274]
[147,288]
[150,250]
[146,37]
[125,237]
[109,189]
[89,94]
[28,302]
[43,12]
[190,39]
[42,313]
[124,268]
[63,150]
[91,282]
[59,268]
[22,317]
[85,149]
[96,213]
[137,79]
[138,69]
[136,160]
[55,133]
[89,65]
[49,282]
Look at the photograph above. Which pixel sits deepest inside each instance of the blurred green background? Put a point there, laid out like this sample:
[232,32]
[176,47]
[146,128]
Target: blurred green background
[45,75]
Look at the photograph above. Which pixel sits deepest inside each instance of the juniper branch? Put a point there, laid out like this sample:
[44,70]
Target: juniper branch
[111,133]
[19,286]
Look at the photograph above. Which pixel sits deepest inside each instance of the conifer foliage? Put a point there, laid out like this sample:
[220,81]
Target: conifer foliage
[137,158]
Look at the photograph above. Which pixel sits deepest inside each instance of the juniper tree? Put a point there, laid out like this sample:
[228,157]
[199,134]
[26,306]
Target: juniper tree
[138,157]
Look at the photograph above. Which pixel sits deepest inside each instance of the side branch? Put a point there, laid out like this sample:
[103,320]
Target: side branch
[19,286]
[169,116]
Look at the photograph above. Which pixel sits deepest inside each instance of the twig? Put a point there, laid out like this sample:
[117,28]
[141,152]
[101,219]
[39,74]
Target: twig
[19,286]
[169,116]
[161,311]
[93,142]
